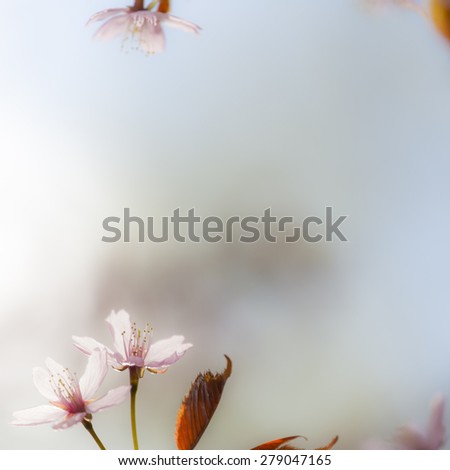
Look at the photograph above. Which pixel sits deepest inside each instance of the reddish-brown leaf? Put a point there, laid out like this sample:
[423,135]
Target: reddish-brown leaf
[330,445]
[282,444]
[276,444]
[164,6]
[198,407]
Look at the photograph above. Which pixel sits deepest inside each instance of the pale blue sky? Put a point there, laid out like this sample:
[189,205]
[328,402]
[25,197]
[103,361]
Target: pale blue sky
[294,104]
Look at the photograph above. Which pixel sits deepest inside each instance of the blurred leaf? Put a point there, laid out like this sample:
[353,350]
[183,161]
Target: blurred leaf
[198,407]
[330,445]
[281,444]
[276,444]
[164,6]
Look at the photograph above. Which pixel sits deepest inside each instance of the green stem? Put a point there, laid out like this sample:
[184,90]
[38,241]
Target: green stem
[90,429]
[134,382]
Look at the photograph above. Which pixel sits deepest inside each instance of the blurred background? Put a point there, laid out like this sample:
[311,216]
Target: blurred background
[294,105]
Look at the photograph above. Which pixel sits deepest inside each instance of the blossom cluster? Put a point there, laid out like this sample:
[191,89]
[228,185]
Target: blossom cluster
[72,400]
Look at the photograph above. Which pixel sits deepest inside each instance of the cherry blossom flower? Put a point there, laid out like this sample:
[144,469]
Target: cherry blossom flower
[71,400]
[411,437]
[144,26]
[133,348]
[432,438]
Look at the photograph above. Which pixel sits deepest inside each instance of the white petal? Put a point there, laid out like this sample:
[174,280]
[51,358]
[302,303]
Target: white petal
[166,352]
[179,23]
[42,381]
[38,415]
[120,327]
[410,437]
[87,345]
[55,368]
[113,27]
[152,39]
[376,444]
[95,373]
[103,15]
[112,398]
[69,420]
[436,429]
[116,360]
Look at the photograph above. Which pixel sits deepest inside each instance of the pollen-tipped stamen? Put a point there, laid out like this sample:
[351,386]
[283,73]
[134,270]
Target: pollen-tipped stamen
[67,390]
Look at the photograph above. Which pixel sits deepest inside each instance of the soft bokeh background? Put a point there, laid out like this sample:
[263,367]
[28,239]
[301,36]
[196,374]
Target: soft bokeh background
[294,104]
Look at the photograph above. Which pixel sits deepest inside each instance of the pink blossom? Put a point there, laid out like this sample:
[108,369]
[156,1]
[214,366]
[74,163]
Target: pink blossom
[412,437]
[71,400]
[416,5]
[142,25]
[133,347]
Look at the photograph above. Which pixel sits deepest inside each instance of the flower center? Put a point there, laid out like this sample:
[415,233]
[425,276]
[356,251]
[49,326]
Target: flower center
[139,342]
[141,19]
[66,388]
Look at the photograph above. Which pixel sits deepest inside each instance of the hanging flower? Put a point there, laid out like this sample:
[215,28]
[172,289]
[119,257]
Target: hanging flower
[71,400]
[133,347]
[143,26]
